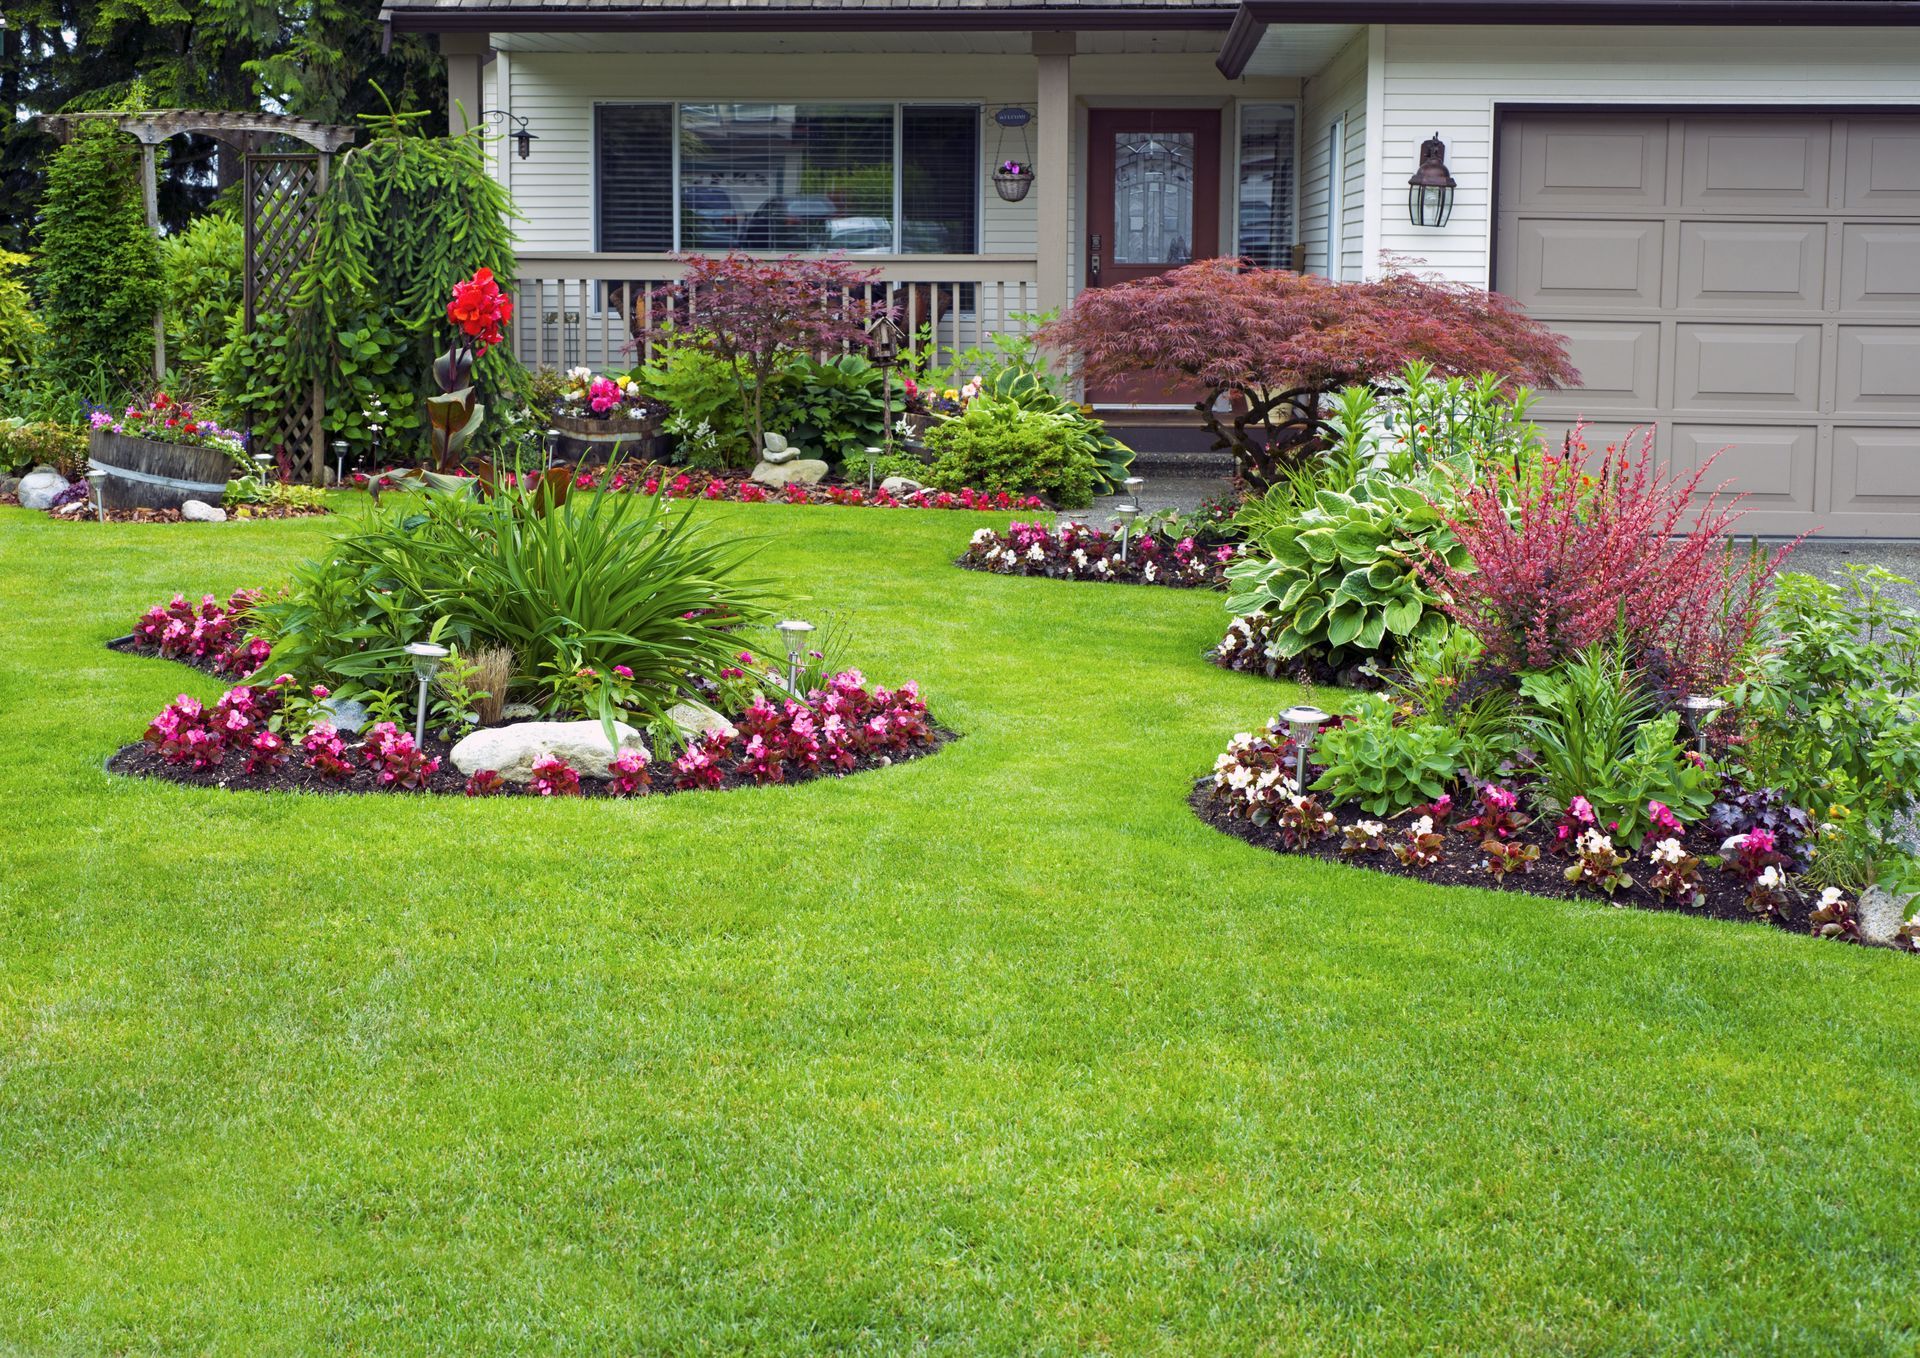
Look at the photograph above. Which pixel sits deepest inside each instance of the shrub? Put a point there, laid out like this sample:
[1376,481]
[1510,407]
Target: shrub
[1827,710]
[709,419]
[202,274]
[1340,578]
[831,409]
[756,315]
[999,445]
[24,444]
[1266,347]
[1560,560]
[19,329]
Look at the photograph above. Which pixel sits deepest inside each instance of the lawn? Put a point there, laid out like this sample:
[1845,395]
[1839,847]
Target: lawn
[1000,1051]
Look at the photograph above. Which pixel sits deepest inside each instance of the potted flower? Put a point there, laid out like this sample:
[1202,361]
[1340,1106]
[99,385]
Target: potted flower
[1013,179]
[599,414]
[161,455]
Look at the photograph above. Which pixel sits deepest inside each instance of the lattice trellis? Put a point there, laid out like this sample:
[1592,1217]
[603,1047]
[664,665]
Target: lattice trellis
[282,201]
[283,192]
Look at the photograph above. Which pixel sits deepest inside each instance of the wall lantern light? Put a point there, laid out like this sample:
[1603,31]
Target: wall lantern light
[1430,191]
[523,140]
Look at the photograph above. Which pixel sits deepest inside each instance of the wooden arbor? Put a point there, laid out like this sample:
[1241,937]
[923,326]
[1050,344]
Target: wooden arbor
[281,194]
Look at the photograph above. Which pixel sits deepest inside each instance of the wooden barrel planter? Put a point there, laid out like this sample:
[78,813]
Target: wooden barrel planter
[148,474]
[590,439]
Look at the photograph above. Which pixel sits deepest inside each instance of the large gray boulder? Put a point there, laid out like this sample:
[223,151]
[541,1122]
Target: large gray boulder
[512,751]
[199,511]
[807,471]
[39,488]
[901,485]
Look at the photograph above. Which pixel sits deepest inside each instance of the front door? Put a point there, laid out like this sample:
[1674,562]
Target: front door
[1153,204]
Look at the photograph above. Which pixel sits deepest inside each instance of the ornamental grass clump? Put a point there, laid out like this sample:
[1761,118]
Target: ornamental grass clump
[1560,560]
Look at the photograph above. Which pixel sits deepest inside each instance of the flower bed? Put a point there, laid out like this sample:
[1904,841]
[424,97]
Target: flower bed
[1245,649]
[278,736]
[699,485]
[1077,552]
[274,737]
[1737,863]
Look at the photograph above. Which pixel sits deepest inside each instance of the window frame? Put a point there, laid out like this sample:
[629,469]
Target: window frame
[898,107]
[1241,106]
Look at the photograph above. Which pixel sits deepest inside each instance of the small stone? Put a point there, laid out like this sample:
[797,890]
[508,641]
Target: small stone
[330,476]
[1881,913]
[519,712]
[199,511]
[512,751]
[40,487]
[697,719]
[806,471]
[778,450]
[9,485]
[901,485]
[47,467]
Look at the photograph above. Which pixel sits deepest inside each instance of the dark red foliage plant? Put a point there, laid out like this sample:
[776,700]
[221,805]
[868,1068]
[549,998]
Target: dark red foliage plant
[1264,347]
[1569,552]
[756,313]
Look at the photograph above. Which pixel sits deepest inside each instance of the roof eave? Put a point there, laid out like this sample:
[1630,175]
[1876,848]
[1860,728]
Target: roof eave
[771,19]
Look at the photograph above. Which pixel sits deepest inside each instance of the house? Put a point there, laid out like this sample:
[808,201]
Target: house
[1717,201]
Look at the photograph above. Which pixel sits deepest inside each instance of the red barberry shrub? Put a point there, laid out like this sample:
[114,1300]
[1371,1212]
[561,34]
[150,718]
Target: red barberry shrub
[1563,556]
[1264,347]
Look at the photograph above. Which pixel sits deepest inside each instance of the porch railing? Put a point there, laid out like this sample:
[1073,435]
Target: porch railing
[605,310]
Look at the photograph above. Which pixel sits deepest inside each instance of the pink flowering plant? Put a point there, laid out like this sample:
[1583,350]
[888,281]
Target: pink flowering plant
[554,777]
[1074,551]
[165,420]
[585,393]
[209,635]
[396,761]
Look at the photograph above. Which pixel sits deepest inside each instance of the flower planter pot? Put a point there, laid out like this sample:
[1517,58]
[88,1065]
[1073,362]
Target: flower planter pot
[1013,187]
[149,474]
[591,437]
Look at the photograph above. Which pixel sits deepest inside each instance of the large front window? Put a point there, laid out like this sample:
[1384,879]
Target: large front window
[863,178]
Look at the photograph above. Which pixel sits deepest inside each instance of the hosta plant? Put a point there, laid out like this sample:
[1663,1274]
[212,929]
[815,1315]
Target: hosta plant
[1387,763]
[1341,577]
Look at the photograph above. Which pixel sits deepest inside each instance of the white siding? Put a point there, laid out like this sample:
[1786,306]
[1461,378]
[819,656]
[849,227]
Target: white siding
[1338,90]
[1450,78]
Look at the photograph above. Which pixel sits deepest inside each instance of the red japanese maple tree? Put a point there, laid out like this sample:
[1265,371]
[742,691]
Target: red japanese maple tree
[1270,345]
[757,313]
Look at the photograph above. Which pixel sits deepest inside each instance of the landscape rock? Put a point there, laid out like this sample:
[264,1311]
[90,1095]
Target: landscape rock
[199,511]
[806,471]
[1881,913]
[9,485]
[693,719]
[512,751]
[777,450]
[39,488]
[519,712]
[901,485]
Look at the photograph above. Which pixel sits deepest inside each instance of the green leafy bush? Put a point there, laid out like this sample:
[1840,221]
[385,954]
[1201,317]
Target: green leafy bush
[26,443]
[1388,761]
[595,582]
[1437,674]
[202,271]
[97,267]
[701,390]
[19,329]
[1338,577]
[1000,445]
[1828,705]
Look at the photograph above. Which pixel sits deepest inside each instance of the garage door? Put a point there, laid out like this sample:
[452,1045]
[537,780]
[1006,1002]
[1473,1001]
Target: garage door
[1747,282]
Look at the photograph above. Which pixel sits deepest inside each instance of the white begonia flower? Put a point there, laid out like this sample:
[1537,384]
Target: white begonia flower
[1667,851]
[1241,778]
[1148,573]
[1423,826]
[1592,841]
[1370,828]
[1079,558]
[1036,553]
[982,536]
[1830,897]
[1771,877]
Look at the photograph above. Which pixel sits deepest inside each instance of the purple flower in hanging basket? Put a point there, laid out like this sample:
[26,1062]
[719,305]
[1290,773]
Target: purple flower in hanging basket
[1014,167]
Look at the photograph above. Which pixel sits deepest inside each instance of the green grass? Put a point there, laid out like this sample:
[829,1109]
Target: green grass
[999,1051]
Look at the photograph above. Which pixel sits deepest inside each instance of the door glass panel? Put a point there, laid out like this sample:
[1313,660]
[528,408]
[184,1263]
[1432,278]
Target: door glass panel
[1153,197]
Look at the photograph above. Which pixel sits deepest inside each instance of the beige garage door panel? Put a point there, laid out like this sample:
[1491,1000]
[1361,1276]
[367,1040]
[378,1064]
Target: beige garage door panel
[1742,282]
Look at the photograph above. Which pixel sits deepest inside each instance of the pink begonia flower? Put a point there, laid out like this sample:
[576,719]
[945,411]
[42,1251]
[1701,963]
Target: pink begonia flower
[321,691]
[603,395]
[623,671]
[1581,809]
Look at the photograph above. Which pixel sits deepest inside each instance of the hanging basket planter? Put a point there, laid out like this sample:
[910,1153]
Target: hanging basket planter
[1013,184]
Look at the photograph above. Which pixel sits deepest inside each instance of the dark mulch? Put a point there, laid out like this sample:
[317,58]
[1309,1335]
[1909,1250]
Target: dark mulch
[1726,895]
[1305,668]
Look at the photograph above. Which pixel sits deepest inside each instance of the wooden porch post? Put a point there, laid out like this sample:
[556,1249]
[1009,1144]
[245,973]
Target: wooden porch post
[1053,184]
[465,53]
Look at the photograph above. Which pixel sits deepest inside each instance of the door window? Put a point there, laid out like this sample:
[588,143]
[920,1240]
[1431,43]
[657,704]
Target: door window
[1153,176]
